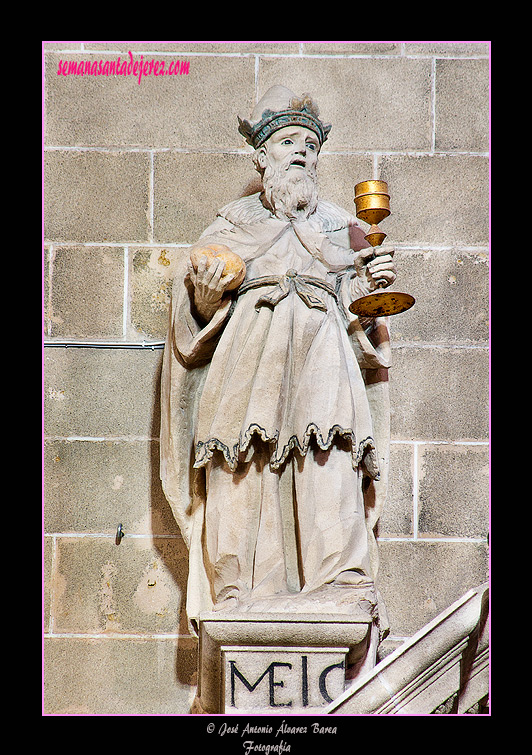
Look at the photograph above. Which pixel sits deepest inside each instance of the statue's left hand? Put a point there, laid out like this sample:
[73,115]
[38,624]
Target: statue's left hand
[375,265]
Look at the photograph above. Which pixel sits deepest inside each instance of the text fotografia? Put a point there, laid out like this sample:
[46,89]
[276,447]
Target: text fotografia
[131,67]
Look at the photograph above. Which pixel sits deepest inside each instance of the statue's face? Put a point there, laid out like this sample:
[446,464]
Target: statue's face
[294,147]
[287,162]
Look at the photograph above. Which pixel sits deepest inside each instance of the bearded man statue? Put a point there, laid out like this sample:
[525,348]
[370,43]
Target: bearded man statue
[275,415]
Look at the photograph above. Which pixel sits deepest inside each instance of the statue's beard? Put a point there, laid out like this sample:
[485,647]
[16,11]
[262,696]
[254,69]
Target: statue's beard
[292,194]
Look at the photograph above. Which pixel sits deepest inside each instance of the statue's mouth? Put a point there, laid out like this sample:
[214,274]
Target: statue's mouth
[297,162]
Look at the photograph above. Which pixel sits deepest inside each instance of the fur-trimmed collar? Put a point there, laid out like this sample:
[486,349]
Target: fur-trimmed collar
[250,209]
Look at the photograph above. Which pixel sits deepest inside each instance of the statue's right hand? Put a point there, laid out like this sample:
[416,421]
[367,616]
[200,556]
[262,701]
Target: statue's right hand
[207,279]
[209,287]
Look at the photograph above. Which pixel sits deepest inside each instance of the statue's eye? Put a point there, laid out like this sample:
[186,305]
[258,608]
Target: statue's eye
[287,141]
[311,145]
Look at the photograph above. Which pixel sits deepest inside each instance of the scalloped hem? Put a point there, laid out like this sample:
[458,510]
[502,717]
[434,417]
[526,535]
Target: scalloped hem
[364,450]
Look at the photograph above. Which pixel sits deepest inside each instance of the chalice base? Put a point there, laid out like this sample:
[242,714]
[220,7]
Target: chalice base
[382,304]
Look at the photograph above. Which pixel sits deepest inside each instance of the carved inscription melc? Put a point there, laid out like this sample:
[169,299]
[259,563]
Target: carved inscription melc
[277,679]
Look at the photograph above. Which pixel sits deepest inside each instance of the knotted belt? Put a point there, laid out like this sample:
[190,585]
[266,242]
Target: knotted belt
[290,281]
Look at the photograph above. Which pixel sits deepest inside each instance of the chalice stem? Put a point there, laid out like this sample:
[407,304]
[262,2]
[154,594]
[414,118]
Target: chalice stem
[375,237]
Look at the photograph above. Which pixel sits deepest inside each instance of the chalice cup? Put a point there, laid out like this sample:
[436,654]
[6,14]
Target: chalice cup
[372,206]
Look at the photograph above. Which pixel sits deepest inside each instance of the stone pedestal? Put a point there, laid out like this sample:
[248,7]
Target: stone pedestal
[278,663]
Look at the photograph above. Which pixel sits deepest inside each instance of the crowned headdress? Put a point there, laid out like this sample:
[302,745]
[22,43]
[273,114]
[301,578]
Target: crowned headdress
[278,108]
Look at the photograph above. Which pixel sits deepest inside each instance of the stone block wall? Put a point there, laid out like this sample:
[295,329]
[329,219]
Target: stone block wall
[134,170]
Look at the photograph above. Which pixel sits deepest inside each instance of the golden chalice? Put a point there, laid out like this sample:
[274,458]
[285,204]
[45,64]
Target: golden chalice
[372,206]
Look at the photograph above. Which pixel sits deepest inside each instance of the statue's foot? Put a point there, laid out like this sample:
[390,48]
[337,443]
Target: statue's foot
[228,601]
[353,578]
[226,605]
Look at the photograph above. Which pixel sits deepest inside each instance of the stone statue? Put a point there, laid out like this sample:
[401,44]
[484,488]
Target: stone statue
[275,415]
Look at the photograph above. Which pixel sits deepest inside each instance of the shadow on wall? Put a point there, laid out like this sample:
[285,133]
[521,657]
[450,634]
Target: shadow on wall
[172,551]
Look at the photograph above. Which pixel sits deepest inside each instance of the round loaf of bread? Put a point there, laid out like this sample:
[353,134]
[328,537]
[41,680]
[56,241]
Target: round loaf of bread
[233,263]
